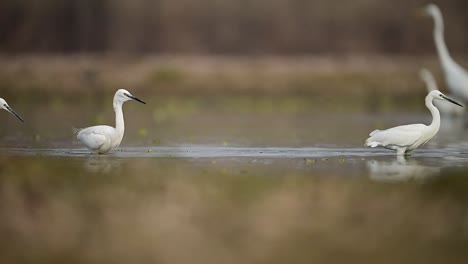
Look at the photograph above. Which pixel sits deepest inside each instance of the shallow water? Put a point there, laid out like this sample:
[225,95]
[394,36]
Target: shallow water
[243,183]
[374,163]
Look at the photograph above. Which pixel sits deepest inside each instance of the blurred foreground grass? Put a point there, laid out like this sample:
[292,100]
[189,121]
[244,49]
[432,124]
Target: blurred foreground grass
[110,210]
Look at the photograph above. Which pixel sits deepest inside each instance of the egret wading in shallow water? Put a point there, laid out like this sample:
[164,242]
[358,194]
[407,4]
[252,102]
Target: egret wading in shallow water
[445,108]
[102,139]
[404,139]
[4,105]
[456,76]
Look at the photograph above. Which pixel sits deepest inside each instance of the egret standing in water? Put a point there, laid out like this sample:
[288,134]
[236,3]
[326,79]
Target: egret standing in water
[102,139]
[445,108]
[404,139]
[456,76]
[5,106]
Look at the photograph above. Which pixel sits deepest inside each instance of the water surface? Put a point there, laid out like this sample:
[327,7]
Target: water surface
[246,181]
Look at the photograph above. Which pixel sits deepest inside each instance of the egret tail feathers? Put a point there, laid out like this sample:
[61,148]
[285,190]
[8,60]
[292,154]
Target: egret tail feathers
[372,144]
[76,131]
[374,132]
[371,141]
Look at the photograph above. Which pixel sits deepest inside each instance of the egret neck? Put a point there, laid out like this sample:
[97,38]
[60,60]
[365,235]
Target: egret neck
[435,124]
[119,119]
[439,38]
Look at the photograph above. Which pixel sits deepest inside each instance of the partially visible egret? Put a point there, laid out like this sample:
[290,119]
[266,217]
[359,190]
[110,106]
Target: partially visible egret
[102,139]
[5,106]
[456,76]
[404,139]
[445,108]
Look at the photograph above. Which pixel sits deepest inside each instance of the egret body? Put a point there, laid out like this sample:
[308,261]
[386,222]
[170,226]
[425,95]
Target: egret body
[445,108]
[4,105]
[456,76]
[102,139]
[404,139]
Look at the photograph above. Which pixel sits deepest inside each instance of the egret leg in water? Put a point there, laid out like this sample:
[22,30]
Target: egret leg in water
[102,139]
[456,76]
[404,139]
[4,105]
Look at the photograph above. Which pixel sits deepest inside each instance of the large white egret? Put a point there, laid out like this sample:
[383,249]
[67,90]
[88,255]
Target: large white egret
[456,76]
[445,108]
[404,139]
[4,105]
[102,139]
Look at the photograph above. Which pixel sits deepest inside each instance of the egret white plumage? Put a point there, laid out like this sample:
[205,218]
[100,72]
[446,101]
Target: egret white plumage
[404,139]
[445,108]
[456,77]
[4,105]
[102,139]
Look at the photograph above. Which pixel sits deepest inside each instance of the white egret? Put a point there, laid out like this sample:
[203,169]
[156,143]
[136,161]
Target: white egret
[404,139]
[456,77]
[102,139]
[5,106]
[445,108]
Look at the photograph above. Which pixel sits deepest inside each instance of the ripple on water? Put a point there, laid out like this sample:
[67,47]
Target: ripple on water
[247,152]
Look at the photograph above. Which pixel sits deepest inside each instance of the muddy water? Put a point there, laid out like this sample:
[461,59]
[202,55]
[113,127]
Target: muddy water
[242,181]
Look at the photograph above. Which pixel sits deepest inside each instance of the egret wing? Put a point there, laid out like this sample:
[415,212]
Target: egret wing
[399,136]
[94,137]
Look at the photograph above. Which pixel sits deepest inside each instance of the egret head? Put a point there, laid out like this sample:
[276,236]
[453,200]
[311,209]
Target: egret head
[5,106]
[427,77]
[425,74]
[431,10]
[122,96]
[436,94]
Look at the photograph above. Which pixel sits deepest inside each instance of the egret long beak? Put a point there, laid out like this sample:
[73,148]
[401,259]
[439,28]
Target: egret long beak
[451,100]
[135,98]
[9,109]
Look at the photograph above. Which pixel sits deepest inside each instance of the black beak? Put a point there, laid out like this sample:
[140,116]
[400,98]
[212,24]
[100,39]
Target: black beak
[13,112]
[451,100]
[134,98]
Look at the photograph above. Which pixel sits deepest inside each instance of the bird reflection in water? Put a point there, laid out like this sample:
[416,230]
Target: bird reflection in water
[400,169]
[102,164]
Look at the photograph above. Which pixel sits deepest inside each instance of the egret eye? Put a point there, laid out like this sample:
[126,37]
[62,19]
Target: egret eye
[440,95]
